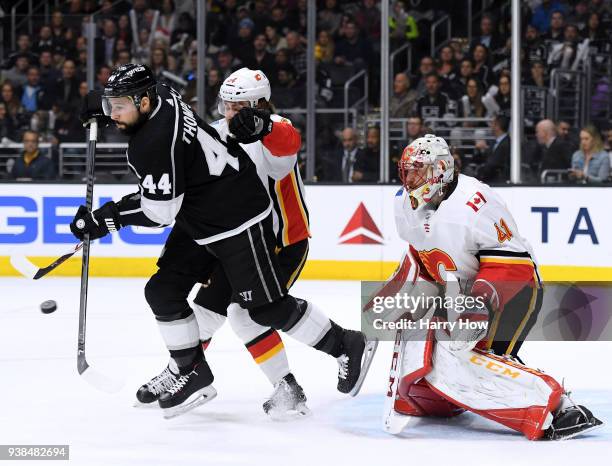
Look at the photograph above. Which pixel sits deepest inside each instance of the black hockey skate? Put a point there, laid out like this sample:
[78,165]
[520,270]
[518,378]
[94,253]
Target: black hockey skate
[354,362]
[151,391]
[570,422]
[188,391]
[288,400]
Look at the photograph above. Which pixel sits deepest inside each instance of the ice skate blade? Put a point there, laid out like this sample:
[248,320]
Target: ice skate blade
[200,397]
[279,415]
[366,362]
[576,434]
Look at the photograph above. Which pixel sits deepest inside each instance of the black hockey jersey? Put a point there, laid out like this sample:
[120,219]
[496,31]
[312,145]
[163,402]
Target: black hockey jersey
[187,173]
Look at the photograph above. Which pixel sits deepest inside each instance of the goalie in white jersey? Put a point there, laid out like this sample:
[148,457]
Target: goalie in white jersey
[460,230]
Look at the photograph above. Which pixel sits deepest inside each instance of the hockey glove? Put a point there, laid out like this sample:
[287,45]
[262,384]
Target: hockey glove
[92,108]
[250,125]
[98,223]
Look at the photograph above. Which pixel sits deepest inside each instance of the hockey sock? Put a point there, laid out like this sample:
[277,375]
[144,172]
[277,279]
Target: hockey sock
[303,321]
[180,333]
[264,343]
[311,326]
[208,323]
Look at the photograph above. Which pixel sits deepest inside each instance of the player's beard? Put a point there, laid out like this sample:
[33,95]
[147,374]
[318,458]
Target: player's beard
[134,127]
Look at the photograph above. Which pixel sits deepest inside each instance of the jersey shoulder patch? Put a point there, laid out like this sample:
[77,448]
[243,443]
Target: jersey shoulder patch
[476,201]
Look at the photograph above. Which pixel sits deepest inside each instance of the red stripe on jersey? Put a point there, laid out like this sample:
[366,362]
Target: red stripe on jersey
[283,140]
[506,278]
[295,220]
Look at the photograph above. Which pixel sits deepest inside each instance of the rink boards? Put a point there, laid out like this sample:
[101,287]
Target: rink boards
[353,231]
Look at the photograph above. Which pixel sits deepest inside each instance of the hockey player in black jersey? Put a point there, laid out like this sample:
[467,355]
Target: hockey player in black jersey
[208,186]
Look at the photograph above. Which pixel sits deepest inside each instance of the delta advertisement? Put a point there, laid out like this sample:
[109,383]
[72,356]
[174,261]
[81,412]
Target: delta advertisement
[353,231]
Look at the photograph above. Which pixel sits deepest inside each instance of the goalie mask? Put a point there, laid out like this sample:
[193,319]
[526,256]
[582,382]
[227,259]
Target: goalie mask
[425,169]
[244,85]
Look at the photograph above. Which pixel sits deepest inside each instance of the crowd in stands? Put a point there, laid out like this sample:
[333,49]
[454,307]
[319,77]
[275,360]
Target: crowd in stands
[43,81]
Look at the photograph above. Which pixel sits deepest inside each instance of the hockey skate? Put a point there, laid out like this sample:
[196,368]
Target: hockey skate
[354,362]
[151,391]
[188,391]
[288,400]
[571,420]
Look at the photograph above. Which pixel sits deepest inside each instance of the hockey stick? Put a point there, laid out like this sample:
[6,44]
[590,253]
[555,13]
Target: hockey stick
[92,376]
[29,270]
[394,422]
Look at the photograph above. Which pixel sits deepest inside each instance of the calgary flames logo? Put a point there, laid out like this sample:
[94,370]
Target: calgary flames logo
[433,259]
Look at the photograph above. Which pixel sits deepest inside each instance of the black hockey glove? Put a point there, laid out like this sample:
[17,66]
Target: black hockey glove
[250,125]
[98,223]
[92,108]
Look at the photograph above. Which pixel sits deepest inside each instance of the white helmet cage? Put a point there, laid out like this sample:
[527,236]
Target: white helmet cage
[244,85]
[430,152]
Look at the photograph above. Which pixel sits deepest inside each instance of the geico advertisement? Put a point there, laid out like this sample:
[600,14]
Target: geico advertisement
[35,218]
[566,226]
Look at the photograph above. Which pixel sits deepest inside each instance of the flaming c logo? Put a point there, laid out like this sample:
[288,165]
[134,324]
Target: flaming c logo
[432,260]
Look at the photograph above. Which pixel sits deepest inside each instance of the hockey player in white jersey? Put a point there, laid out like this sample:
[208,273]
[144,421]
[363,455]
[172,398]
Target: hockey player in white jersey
[460,232]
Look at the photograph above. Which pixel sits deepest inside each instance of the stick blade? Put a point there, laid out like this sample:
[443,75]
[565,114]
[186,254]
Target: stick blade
[101,381]
[23,266]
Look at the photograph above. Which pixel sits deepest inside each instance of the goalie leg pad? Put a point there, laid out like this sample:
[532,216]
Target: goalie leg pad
[496,388]
[421,400]
[415,397]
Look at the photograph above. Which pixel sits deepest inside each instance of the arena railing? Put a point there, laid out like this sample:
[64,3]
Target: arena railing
[362,101]
[599,99]
[568,96]
[435,46]
[14,150]
[408,48]
[110,158]
[553,176]
[32,9]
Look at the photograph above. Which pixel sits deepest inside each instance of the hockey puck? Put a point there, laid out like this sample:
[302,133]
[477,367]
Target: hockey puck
[48,307]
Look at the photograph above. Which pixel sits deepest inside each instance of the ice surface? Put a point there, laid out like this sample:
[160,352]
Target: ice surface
[44,401]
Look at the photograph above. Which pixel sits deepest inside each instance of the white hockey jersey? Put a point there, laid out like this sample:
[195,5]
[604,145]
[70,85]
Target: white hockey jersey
[471,234]
[281,177]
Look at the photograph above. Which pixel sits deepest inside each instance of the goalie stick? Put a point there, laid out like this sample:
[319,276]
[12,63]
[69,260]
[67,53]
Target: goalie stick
[26,268]
[91,375]
[394,422]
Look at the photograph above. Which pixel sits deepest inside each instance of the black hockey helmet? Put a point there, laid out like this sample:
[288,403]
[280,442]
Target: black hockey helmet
[131,80]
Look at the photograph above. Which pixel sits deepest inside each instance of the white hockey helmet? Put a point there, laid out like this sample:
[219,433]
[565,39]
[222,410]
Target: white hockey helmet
[244,85]
[425,168]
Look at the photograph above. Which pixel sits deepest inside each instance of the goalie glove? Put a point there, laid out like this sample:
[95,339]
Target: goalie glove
[250,125]
[98,223]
